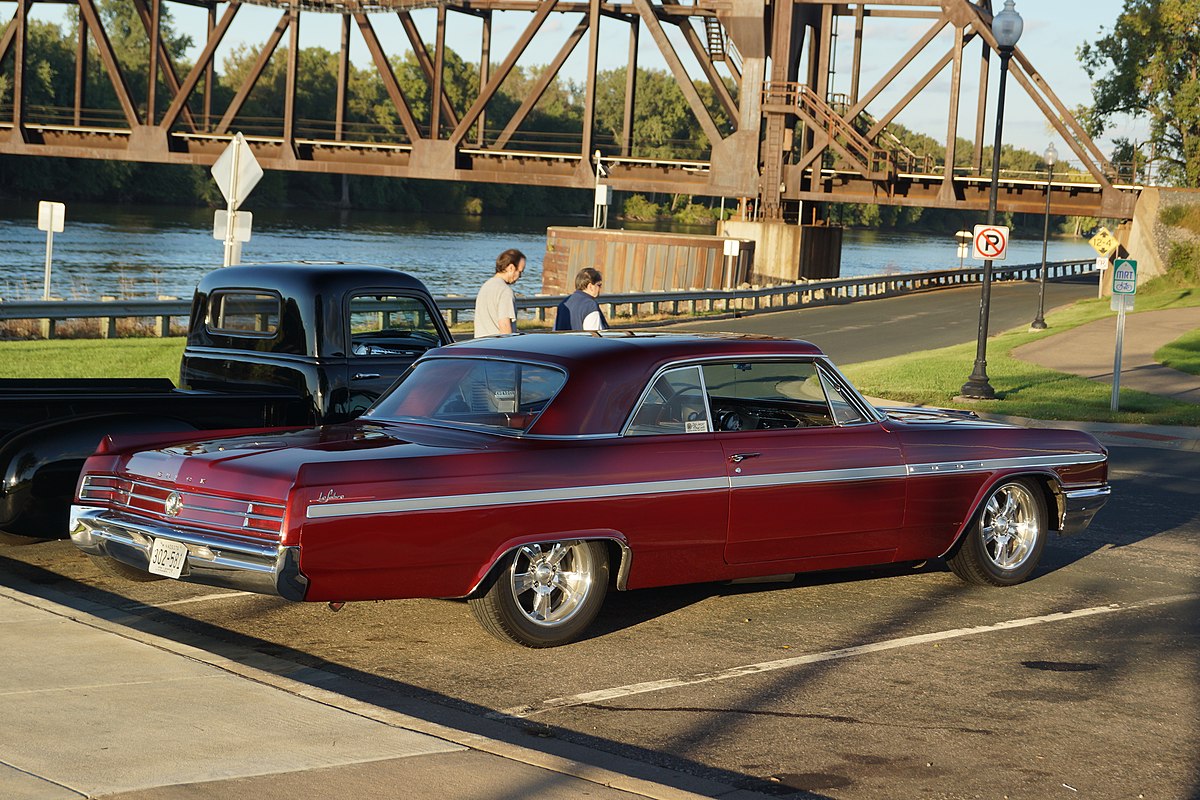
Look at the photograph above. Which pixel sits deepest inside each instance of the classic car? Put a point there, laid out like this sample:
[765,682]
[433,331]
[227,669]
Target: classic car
[529,473]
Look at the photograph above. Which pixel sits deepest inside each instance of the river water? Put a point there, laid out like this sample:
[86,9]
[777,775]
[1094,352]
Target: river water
[140,251]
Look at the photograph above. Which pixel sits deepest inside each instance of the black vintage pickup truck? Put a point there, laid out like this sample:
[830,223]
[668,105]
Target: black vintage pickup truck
[267,345]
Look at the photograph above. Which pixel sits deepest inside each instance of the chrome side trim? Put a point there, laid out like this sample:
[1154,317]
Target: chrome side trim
[737,481]
[817,476]
[990,464]
[513,498]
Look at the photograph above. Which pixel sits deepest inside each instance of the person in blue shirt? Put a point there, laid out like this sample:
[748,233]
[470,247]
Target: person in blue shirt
[580,311]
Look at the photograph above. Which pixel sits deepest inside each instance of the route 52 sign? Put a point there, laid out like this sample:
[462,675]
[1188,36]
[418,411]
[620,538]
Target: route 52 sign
[989,242]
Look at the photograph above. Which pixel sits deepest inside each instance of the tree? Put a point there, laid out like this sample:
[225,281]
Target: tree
[1149,65]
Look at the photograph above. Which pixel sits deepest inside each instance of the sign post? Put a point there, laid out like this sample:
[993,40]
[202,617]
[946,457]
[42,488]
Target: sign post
[236,172]
[1124,290]
[51,217]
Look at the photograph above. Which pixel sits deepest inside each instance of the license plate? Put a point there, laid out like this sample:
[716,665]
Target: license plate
[167,558]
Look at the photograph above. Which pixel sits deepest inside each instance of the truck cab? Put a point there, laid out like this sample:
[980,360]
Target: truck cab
[337,335]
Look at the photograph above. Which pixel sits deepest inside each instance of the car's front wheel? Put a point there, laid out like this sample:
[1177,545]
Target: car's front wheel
[1005,542]
[545,594]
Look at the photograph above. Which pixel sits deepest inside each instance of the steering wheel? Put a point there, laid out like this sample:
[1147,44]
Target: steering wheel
[686,405]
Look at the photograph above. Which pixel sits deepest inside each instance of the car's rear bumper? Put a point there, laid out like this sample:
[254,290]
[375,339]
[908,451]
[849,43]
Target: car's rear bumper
[1080,505]
[263,568]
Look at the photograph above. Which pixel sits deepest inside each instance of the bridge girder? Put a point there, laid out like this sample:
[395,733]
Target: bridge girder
[784,136]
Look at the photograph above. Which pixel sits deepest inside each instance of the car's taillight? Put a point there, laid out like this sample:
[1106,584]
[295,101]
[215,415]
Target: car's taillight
[100,488]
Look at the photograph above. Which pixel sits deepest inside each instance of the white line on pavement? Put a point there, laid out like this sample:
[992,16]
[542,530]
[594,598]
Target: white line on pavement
[602,695]
[204,598]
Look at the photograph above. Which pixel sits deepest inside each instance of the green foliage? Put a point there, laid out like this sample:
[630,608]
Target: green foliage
[637,207]
[694,214]
[1149,65]
[1182,354]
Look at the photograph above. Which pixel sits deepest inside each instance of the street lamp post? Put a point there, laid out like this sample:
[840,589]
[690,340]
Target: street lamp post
[1006,27]
[1039,322]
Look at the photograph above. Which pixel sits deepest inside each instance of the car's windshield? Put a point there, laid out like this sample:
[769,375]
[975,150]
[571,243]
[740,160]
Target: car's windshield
[506,395]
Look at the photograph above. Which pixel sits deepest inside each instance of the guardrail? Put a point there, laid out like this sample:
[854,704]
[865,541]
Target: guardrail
[49,313]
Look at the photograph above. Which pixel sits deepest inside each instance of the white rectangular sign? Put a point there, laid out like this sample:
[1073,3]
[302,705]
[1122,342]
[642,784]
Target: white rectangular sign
[51,216]
[242,220]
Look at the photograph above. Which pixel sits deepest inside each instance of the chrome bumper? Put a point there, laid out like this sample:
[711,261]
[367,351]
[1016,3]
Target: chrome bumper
[1079,506]
[251,567]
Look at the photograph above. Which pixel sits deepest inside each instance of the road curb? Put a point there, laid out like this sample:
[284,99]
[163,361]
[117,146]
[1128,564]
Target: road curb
[603,769]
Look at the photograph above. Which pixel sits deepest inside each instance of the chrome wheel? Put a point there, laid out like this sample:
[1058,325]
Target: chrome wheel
[1011,526]
[551,584]
[545,594]
[1003,544]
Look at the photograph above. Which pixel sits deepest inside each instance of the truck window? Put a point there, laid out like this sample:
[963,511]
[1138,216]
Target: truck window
[386,325]
[243,313]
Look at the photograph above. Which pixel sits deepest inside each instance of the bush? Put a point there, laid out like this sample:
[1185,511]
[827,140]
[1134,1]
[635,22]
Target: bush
[1181,216]
[694,214]
[637,207]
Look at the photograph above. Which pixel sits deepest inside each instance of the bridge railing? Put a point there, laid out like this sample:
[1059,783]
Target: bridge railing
[50,314]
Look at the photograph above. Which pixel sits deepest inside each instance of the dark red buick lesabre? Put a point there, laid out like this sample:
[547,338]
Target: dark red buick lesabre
[528,473]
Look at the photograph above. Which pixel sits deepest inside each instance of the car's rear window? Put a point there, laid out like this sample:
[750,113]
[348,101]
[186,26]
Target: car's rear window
[243,313]
[504,395]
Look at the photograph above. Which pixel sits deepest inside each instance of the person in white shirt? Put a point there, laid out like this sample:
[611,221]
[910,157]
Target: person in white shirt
[495,305]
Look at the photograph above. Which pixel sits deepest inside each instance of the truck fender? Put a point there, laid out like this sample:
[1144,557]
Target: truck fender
[40,466]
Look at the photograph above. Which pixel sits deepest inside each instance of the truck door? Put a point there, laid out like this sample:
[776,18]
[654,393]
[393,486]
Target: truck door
[388,332]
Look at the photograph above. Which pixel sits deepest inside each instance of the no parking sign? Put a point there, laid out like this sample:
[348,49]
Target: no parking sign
[989,242]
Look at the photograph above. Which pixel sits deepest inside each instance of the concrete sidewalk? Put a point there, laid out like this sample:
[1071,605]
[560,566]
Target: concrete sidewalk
[97,705]
[1089,351]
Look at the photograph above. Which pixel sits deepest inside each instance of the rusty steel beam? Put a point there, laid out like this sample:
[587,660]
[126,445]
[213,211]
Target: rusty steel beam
[776,42]
[260,63]
[486,93]
[96,26]
[543,82]
[389,78]
[202,67]
[433,73]
[170,76]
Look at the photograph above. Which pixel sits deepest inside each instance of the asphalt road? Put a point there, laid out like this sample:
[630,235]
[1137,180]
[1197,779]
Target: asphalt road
[1085,677]
[862,331]
[886,683]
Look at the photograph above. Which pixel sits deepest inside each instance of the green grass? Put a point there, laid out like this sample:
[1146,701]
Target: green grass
[92,358]
[1182,354]
[935,377]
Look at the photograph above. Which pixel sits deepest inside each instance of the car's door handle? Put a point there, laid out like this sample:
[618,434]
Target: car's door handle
[363,376]
[738,458]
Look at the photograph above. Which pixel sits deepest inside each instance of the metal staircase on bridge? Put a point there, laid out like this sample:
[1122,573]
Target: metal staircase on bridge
[859,153]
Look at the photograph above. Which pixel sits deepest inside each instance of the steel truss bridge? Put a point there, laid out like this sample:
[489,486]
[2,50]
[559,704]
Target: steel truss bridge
[784,136]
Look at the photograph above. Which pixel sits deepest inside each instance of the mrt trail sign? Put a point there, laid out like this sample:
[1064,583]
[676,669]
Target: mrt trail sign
[989,242]
[1124,284]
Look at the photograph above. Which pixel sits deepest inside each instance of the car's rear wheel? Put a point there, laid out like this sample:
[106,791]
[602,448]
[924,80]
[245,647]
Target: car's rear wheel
[117,569]
[545,594]
[1004,543]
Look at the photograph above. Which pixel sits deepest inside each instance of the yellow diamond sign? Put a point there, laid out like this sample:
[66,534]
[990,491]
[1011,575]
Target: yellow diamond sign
[1104,243]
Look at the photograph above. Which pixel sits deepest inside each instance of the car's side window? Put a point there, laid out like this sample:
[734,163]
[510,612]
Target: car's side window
[674,404]
[389,325]
[766,395]
[845,412]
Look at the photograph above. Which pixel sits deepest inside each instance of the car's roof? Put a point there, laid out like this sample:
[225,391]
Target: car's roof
[609,370]
[306,278]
